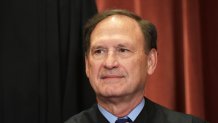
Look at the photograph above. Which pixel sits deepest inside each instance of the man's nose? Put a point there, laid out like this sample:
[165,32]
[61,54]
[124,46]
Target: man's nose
[111,60]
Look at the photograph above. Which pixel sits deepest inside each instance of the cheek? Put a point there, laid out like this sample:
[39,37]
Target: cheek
[136,68]
[138,62]
[94,69]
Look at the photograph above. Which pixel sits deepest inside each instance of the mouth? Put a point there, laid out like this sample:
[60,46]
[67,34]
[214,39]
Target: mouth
[112,77]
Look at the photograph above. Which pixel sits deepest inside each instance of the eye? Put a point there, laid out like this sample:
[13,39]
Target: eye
[123,50]
[98,51]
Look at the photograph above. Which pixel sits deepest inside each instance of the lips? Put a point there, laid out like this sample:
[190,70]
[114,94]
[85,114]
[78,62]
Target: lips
[111,76]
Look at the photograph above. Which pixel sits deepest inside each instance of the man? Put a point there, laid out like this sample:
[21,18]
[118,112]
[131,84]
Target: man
[120,52]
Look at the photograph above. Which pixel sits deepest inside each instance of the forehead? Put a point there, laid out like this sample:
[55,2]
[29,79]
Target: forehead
[118,21]
[117,26]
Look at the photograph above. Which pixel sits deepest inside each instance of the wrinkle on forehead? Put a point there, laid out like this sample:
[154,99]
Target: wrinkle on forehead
[117,25]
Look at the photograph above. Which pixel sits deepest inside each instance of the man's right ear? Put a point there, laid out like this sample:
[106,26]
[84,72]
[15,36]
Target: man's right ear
[87,66]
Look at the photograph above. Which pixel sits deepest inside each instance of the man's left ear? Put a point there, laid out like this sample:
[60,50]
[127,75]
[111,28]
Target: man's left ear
[152,61]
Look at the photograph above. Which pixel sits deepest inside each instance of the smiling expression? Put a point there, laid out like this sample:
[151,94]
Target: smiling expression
[116,63]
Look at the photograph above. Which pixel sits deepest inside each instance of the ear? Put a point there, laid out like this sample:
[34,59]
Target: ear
[152,61]
[87,66]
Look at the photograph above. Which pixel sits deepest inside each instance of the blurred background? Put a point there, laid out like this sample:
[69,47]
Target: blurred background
[42,77]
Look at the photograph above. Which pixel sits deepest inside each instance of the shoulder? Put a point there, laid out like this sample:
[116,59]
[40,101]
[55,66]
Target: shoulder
[84,116]
[171,116]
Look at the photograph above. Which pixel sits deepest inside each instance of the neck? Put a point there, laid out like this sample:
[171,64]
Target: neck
[120,106]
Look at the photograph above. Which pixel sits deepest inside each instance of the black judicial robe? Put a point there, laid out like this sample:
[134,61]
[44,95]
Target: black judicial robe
[151,113]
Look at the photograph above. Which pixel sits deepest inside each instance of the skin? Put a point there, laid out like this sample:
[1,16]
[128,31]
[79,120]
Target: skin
[117,65]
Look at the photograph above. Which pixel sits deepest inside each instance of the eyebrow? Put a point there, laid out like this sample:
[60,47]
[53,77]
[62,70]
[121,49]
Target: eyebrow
[121,45]
[97,47]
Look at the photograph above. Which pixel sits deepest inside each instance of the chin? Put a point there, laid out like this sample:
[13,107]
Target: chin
[112,94]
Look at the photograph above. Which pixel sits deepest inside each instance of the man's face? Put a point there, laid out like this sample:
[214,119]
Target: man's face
[117,64]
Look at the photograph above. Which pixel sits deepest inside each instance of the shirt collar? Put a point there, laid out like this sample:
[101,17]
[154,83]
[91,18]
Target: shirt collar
[132,115]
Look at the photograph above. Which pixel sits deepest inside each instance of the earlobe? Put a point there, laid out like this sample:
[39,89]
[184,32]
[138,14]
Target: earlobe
[152,61]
